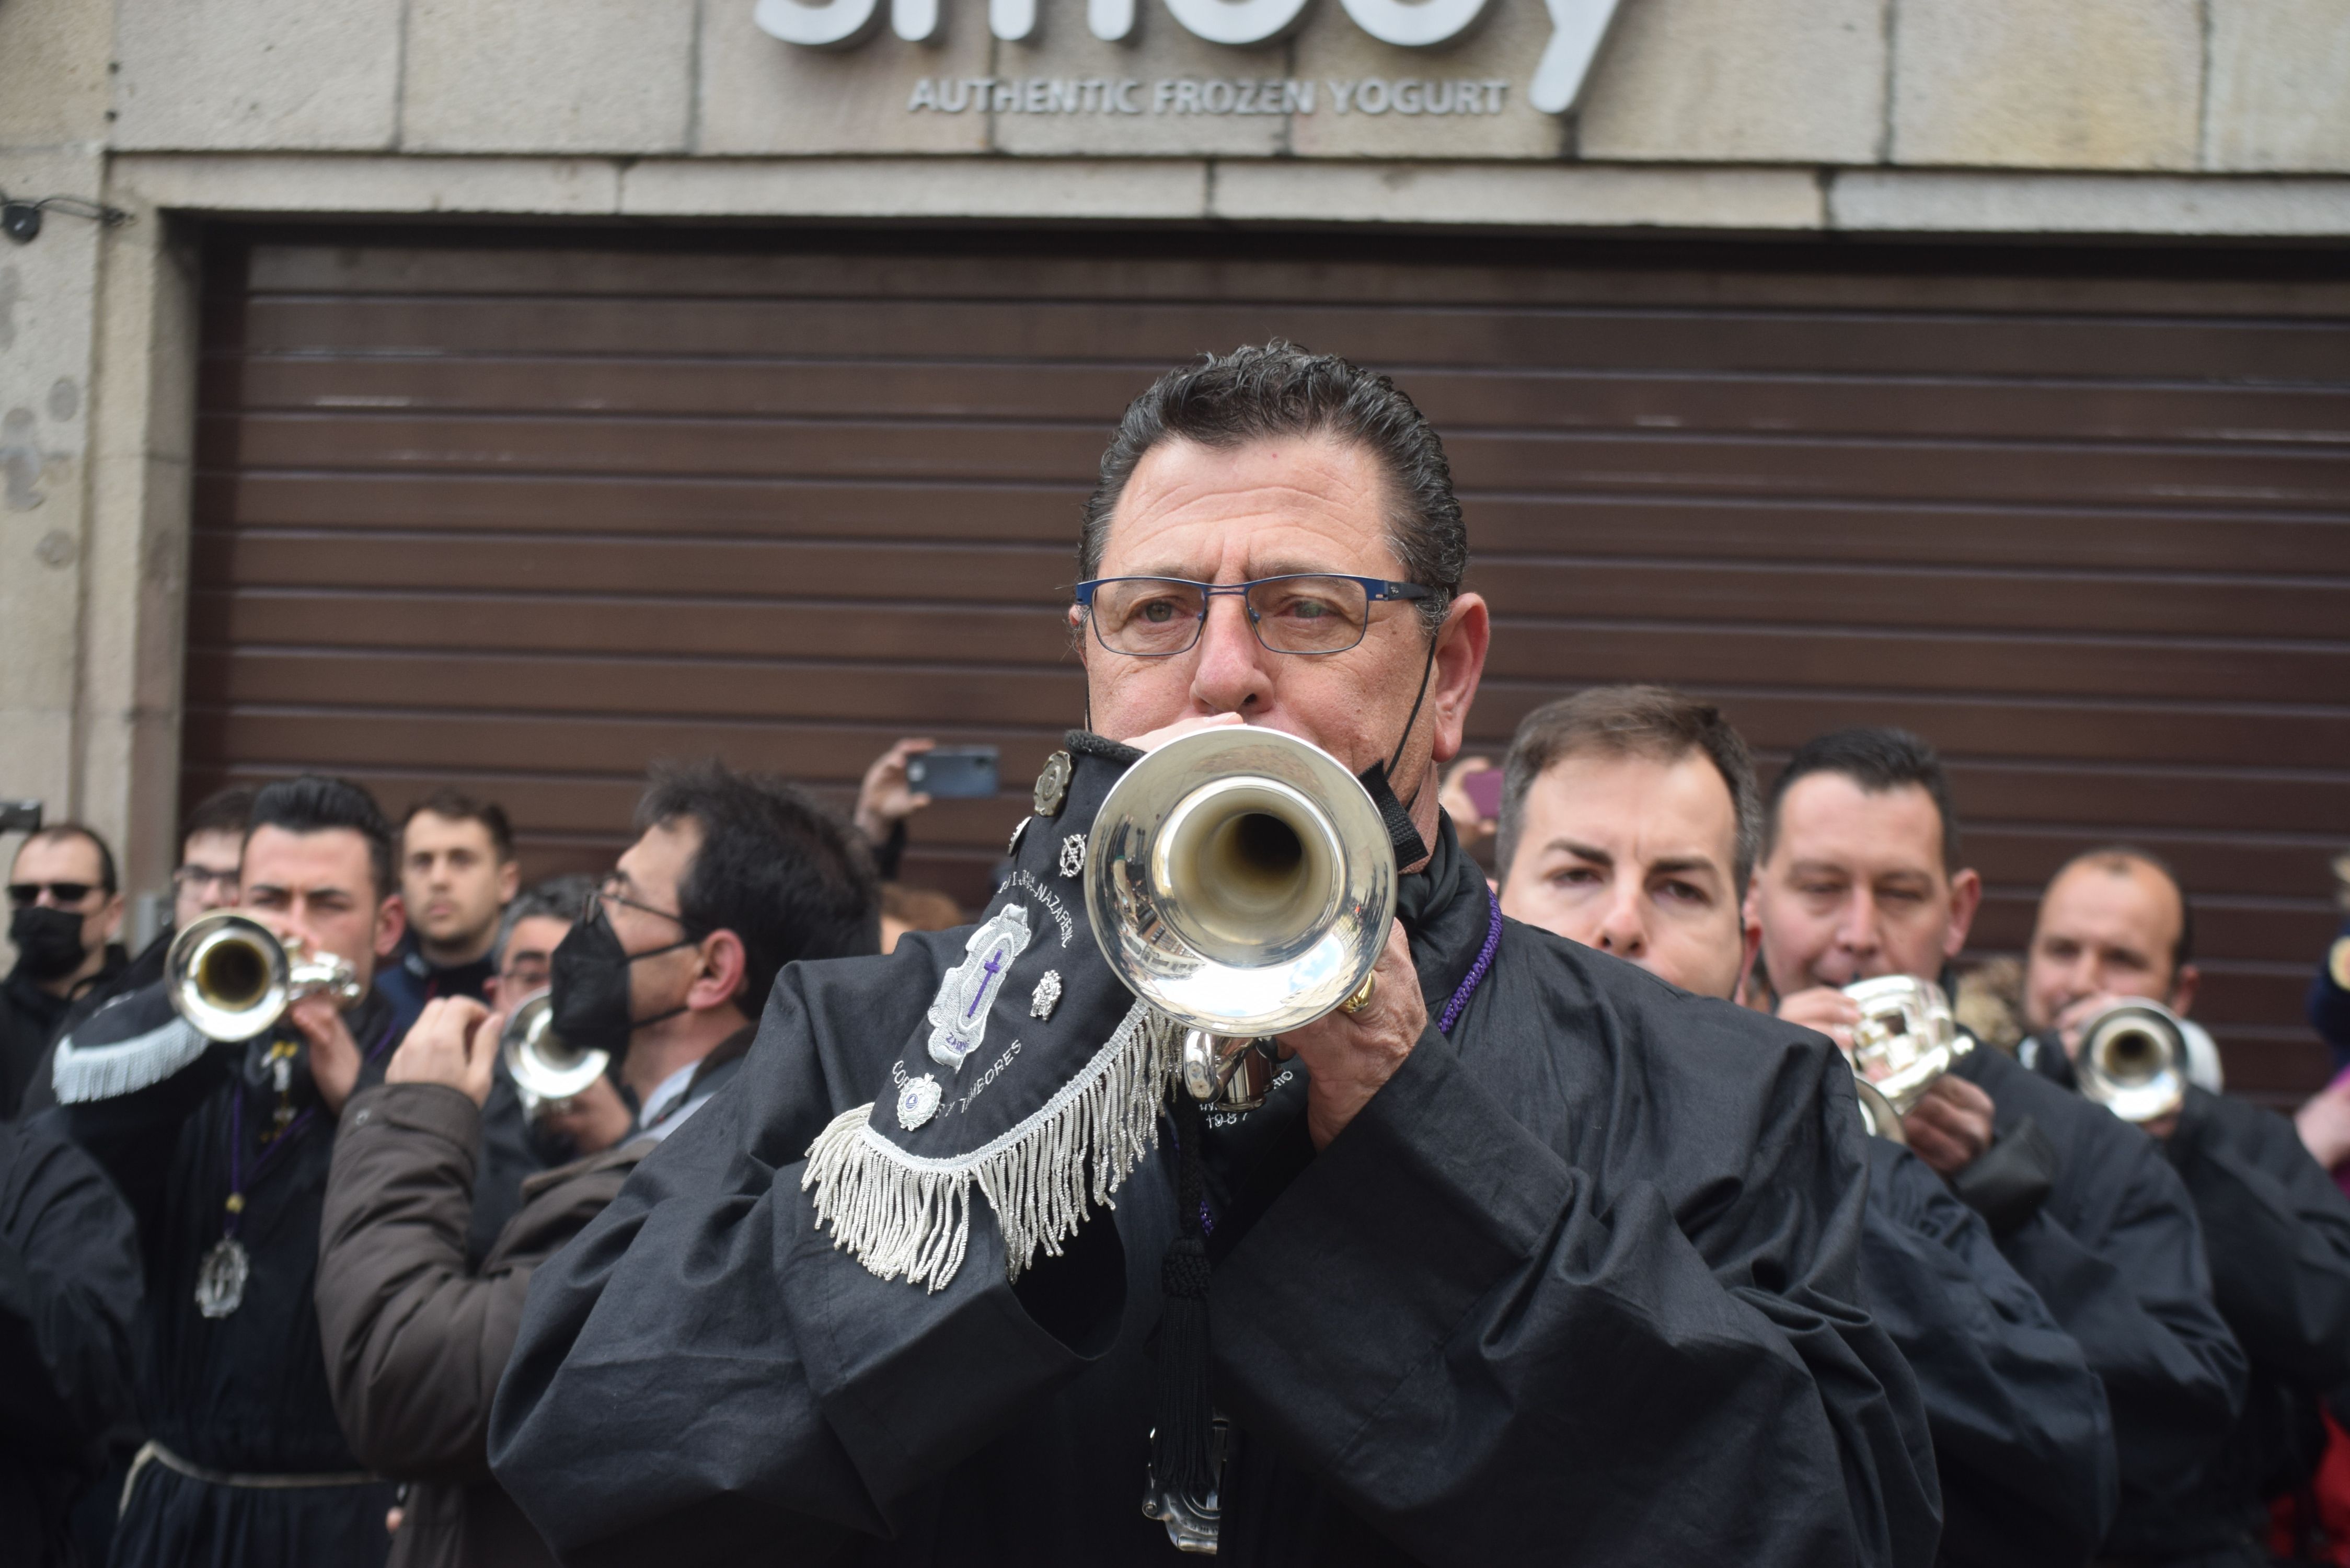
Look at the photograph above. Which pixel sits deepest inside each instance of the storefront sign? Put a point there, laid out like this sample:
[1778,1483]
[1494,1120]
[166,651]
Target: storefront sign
[1577,29]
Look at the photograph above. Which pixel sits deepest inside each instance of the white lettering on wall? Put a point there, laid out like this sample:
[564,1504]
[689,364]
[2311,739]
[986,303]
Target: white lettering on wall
[1578,27]
[1209,95]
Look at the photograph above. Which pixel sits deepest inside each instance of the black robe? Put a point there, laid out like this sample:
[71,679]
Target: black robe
[2116,1252]
[1577,1284]
[2022,1440]
[69,1287]
[2278,1232]
[246,1393]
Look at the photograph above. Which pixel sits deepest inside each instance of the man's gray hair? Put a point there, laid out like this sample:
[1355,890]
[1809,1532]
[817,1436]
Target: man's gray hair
[557,898]
[1258,394]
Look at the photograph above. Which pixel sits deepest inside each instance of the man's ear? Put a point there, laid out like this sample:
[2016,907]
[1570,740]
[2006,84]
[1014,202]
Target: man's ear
[723,962]
[110,918]
[509,881]
[1461,646]
[1750,932]
[2182,989]
[391,925]
[1966,897]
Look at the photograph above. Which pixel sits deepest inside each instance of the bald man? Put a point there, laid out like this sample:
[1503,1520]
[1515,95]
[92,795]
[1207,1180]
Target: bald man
[2114,924]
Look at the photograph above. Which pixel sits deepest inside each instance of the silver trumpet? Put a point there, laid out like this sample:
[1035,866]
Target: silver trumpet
[230,977]
[2133,1060]
[1242,882]
[1905,1040]
[546,1071]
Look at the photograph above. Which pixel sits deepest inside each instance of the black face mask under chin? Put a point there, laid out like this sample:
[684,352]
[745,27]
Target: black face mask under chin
[49,942]
[587,989]
[1411,849]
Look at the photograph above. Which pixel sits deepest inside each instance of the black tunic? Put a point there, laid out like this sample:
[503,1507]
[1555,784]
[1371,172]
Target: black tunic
[69,1304]
[246,1393]
[1577,1284]
[2022,1440]
[2116,1252]
[2278,1231]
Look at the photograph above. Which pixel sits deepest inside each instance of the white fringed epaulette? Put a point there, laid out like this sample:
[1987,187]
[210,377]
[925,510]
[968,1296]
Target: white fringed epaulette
[85,1073]
[901,1214]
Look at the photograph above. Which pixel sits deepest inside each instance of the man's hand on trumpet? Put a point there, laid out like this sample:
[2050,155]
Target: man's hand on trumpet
[1351,1056]
[455,1041]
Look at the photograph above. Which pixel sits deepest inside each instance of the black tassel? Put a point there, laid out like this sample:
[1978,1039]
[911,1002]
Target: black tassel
[1182,1455]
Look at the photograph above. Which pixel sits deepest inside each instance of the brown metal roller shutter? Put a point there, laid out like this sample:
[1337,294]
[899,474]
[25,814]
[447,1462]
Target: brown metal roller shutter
[527,512]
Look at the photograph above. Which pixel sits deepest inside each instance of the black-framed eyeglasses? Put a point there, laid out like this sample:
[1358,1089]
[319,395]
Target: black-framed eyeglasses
[194,876]
[608,891]
[24,893]
[1301,612]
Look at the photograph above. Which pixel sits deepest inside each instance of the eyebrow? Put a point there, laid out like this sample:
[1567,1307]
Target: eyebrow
[1582,851]
[1687,863]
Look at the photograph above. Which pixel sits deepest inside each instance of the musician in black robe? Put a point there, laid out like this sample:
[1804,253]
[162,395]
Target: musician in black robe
[1628,821]
[2114,925]
[1859,839]
[222,1150]
[1530,1258]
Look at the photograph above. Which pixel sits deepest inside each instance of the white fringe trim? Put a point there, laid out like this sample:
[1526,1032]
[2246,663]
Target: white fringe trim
[904,1215]
[85,1073]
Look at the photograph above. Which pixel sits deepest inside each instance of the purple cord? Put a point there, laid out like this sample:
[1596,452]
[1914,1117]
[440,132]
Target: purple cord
[1476,970]
[236,1138]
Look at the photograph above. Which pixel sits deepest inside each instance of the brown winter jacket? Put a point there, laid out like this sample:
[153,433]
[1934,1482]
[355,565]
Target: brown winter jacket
[415,1343]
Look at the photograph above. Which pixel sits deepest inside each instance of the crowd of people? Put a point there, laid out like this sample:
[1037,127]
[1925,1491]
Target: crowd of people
[882,1236]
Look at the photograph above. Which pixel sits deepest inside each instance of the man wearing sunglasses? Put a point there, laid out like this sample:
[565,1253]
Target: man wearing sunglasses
[1526,1257]
[64,913]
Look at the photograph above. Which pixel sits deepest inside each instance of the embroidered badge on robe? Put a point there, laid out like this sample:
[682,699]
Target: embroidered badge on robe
[1047,992]
[959,1011]
[1073,854]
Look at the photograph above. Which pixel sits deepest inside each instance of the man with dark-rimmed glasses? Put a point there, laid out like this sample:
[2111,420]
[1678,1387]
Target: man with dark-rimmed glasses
[1526,1257]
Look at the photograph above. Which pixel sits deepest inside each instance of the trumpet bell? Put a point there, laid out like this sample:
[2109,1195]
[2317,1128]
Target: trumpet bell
[228,975]
[2133,1060]
[1239,881]
[545,1069]
[1906,1038]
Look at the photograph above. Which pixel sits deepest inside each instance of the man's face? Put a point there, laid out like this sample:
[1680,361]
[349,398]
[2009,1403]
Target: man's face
[526,964]
[647,878]
[1637,857]
[451,880]
[2103,931]
[318,886]
[1294,504]
[71,860]
[206,878]
[1856,886]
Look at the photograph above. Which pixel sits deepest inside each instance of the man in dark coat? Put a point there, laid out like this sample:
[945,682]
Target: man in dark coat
[2115,925]
[1856,879]
[1628,821]
[222,1151]
[1528,1256]
[64,911]
[414,1339]
[68,1299]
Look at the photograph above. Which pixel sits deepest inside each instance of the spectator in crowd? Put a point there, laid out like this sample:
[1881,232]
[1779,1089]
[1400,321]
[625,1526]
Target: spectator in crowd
[204,880]
[222,1151]
[70,1289]
[2114,925]
[885,802]
[457,871]
[905,908]
[64,912]
[1627,821]
[731,877]
[2329,988]
[1860,875]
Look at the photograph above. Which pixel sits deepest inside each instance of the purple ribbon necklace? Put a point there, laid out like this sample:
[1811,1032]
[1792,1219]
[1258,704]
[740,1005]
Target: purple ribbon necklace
[221,1277]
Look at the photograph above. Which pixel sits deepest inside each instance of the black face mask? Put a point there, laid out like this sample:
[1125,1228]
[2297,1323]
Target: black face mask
[587,988]
[49,942]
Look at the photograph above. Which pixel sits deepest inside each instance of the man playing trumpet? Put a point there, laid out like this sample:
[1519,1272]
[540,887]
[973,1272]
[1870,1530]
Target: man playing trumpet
[222,1148]
[1860,876]
[1628,822]
[2114,928]
[1523,1256]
